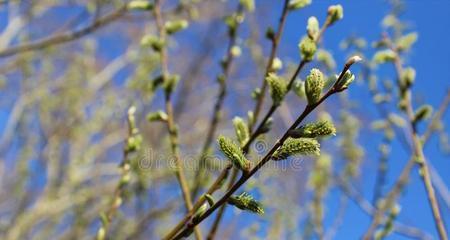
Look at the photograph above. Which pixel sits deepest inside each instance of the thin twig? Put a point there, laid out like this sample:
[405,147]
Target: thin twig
[64,37]
[273,53]
[226,67]
[171,127]
[417,158]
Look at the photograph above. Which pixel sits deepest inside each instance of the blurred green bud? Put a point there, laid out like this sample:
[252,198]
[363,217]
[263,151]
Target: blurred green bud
[326,58]
[267,126]
[251,118]
[277,64]
[379,124]
[335,13]
[313,27]
[133,143]
[307,48]
[249,5]
[157,116]
[200,211]
[256,93]
[407,77]
[233,153]
[384,56]
[299,88]
[246,202]
[270,33]
[314,130]
[423,113]
[172,27]
[171,82]
[236,51]
[397,120]
[140,5]
[242,131]
[298,4]
[297,146]
[405,42]
[313,86]
[209,199]
[277,87]
[154,42]
[101,233]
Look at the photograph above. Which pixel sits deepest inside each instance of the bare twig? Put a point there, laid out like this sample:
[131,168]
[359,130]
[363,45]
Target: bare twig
[171,127]
[64,37]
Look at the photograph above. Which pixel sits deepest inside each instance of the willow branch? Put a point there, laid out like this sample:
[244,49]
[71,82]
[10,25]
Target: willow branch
[64,37]
[244,177]
[226,67]
[417,158]
[171,127]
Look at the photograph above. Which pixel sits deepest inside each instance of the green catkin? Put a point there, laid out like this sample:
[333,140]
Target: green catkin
[234,153]
[277,88]
[297,146]
[246,202]
[313,130]
[307,48]
[241,130]
[313,86]
[298,4]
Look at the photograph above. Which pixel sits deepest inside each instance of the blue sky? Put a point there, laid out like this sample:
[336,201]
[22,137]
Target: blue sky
[431,59]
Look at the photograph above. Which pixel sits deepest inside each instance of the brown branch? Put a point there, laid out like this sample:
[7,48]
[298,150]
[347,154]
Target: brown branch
[244,177]
[273,53]
[226,66]
[64,37]
[417,158]
[171,127]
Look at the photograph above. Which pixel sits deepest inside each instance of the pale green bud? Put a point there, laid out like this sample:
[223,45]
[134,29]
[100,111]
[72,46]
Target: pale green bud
[270,33]
[384,56]
[404,43]
[101,233]
[277,64]
[171,82]
[175,26]
[297,146]
[246,202]
[154,42]
[299,88]
[256,93]
[249,5]
[313,27]
[397,120]
[277,87]
[313,86]
[335,13]
[423,113]
[157,116]
[408,76]
[346,80]
[326,58]
[298,4]
[241,129]
[379,124]
[236,51]
[307,48]
[200,211]
[140,5]
[314,130]
[233,153]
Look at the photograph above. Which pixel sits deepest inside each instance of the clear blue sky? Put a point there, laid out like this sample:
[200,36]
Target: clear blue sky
[431,59]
